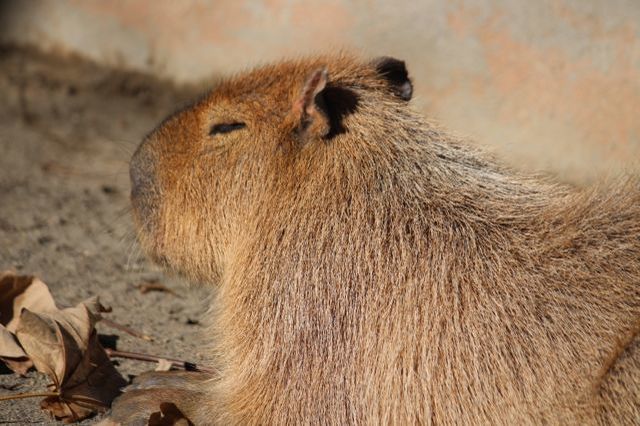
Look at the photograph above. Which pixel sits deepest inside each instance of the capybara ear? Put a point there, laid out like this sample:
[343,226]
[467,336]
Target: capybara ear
[320,109]
[311,93]
[309,108]
[395,73]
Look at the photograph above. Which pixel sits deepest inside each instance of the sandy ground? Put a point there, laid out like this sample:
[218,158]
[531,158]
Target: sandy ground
[67,130]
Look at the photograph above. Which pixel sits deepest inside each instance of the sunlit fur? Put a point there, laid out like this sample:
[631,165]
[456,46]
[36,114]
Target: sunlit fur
[392,274]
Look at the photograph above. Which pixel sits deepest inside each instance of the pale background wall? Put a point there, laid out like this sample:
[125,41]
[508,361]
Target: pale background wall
[552,85]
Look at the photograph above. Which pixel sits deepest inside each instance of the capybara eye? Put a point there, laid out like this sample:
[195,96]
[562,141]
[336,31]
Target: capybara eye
[225,128]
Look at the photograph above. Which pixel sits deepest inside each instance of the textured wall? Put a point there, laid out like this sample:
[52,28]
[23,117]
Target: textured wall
[552,84]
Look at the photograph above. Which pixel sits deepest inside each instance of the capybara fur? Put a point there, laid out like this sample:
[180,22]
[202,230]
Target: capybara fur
[371,268]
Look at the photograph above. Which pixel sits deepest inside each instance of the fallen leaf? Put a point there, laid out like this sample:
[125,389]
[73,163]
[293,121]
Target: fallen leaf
[64,345]
[9,346]
[164,365]
[22,291]
[18,292]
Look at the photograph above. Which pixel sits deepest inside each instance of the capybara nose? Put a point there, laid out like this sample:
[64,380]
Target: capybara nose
[142,174]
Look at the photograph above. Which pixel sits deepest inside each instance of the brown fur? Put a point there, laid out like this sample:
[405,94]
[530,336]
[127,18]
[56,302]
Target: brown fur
[373,269]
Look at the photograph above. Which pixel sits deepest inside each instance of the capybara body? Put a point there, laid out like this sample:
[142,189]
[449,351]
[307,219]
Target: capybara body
[371,268]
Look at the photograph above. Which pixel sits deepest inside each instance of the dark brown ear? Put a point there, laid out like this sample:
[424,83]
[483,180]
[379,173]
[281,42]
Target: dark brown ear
[395,73]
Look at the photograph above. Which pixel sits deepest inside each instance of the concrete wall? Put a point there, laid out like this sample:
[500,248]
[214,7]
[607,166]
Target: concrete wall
[552,84]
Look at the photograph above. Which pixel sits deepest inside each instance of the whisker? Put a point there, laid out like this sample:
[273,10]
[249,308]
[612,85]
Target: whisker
[134,250]
[126,147]
[56,168]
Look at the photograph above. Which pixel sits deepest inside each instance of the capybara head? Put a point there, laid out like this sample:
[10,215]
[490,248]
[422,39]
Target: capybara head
[202,173]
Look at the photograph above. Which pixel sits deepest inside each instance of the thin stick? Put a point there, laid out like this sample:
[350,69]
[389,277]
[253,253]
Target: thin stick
[177,363]
[27,395]
[134,333]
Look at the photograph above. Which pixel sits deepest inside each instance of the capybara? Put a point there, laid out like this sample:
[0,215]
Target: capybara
[371,268]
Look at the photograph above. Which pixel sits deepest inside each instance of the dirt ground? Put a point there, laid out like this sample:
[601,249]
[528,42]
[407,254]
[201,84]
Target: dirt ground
[67,130]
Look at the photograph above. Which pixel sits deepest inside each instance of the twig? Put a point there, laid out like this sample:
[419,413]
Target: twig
[177,363]
[149,286]
[27,395]
[134,333]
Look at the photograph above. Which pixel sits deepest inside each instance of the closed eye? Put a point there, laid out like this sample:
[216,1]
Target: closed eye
[226,128]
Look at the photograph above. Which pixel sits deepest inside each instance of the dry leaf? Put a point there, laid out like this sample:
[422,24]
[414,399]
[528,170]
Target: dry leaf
[64,345]
[22,291]
[18,292]
[164,365]
[12,354]
[9,346]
